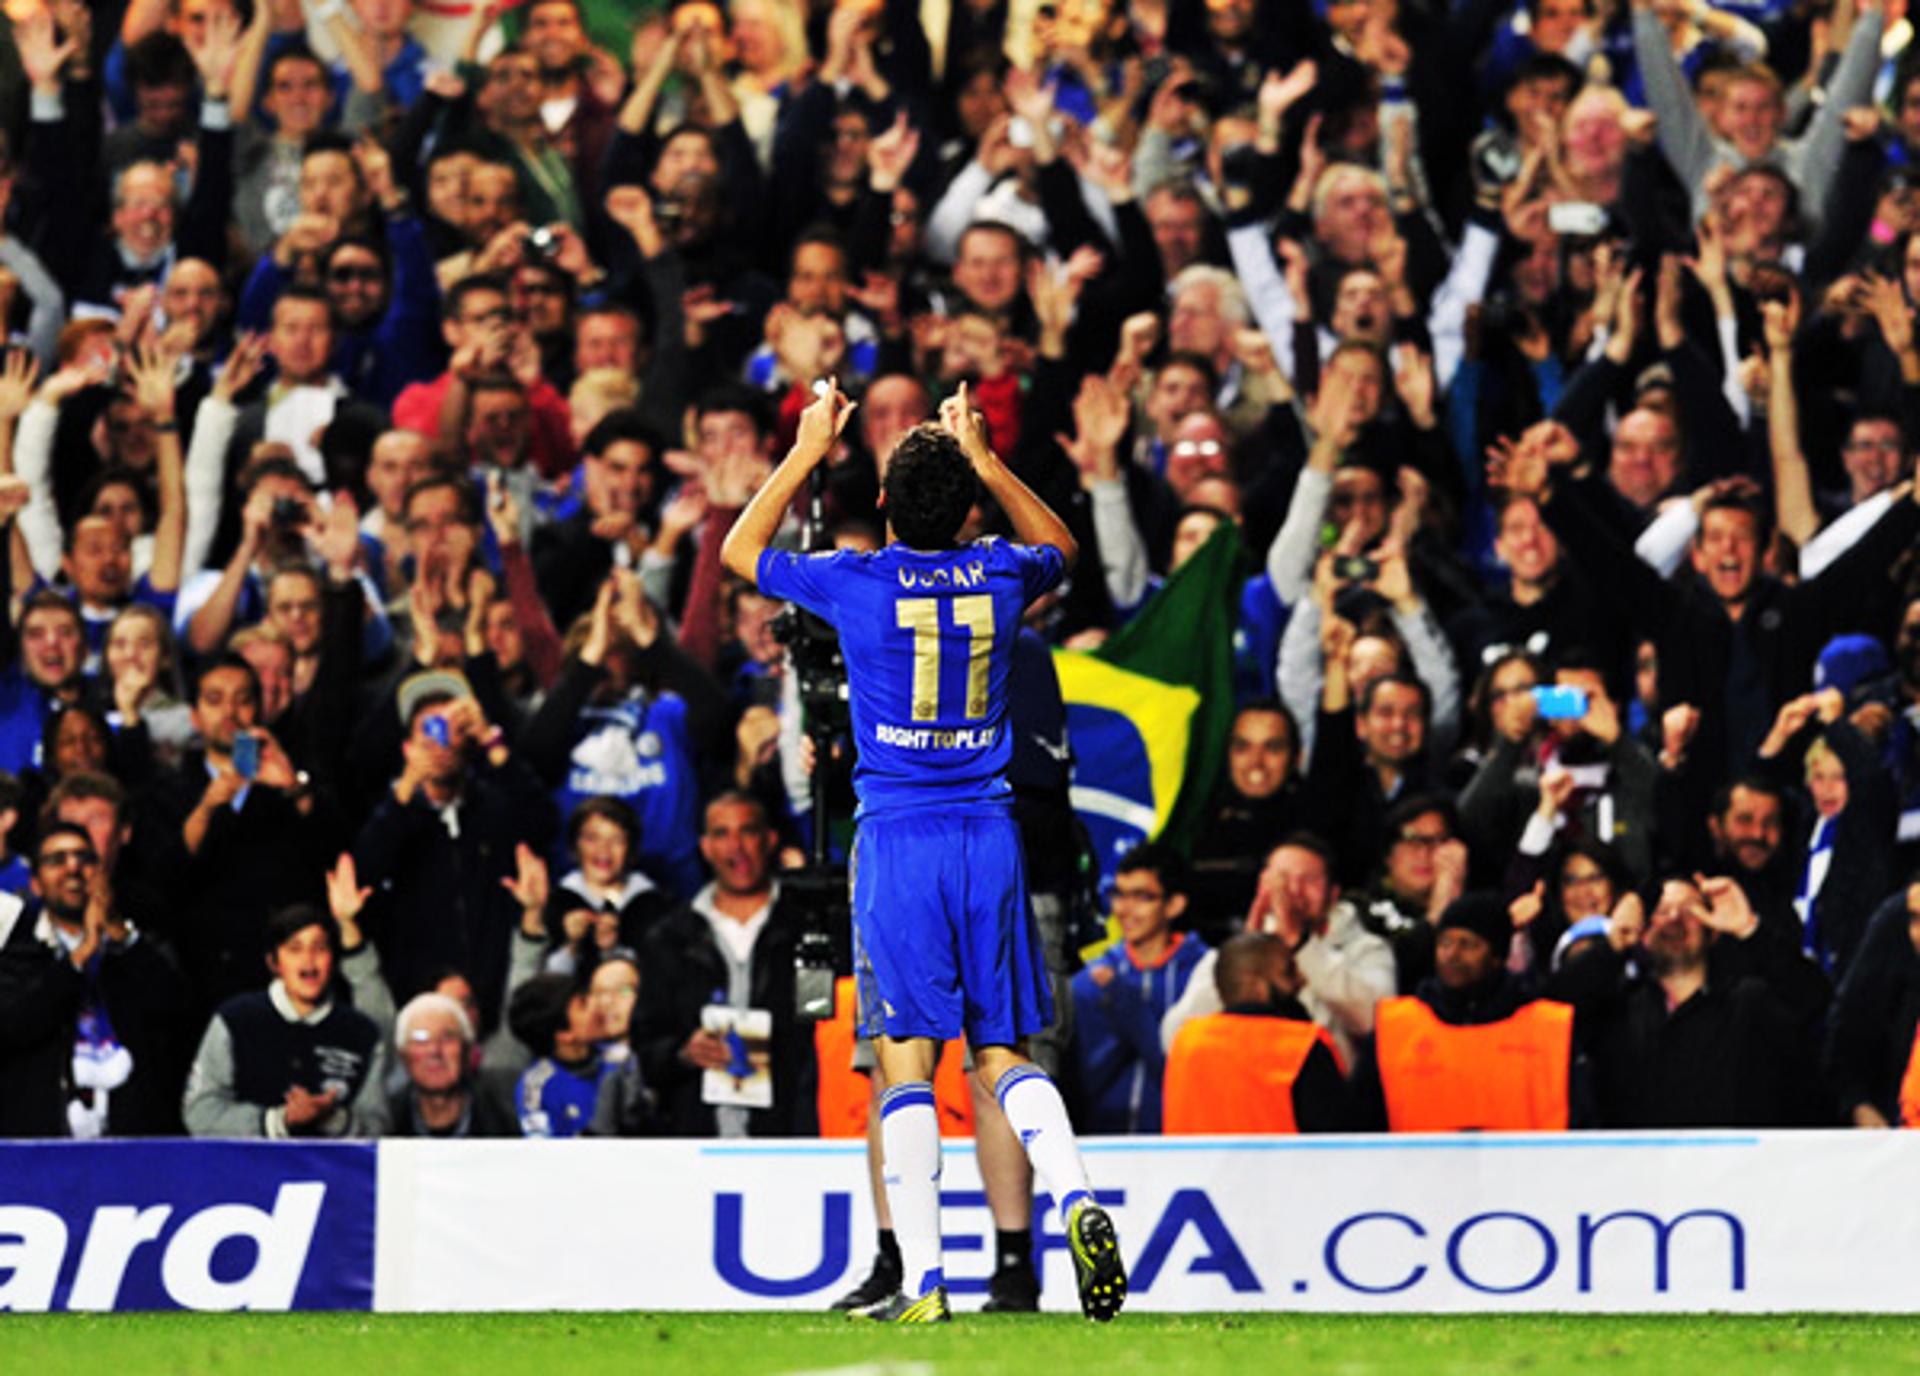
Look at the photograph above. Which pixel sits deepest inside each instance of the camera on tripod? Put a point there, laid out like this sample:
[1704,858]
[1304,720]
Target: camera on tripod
[813,649]
[820,888]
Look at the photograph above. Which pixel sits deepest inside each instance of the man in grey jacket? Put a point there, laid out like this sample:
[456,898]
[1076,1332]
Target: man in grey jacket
[1752,111]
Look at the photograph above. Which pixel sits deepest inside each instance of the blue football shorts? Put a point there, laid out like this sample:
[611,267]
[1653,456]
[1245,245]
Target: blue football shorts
[944,939]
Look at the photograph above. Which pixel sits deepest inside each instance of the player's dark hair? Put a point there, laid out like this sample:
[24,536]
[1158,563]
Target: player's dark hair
[929,489]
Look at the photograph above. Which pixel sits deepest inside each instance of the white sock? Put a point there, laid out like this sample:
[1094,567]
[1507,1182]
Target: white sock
[1028,1097]
[910,1143]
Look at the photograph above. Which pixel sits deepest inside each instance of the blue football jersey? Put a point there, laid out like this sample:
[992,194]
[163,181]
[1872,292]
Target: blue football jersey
[928,640]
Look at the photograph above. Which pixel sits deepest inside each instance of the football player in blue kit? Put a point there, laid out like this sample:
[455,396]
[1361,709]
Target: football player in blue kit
[944,939]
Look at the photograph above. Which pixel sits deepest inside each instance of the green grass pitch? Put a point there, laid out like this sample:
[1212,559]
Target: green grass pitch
[976,1345]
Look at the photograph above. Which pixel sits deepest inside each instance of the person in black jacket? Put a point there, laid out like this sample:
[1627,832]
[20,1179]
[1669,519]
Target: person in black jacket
[151,229]
[604,904]
[234,847]
[1717,1029]
[1870,1037]
[571,558]
[732,945]
[440,842]
[1257,804]
[1367,754]
[1736,642]
[95,1017]
[1845,828]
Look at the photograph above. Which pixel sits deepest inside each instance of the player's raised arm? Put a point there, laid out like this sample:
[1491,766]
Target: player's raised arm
[820,426]
[1034,522]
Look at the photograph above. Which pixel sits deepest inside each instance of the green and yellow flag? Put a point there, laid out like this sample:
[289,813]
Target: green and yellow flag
[1148,712]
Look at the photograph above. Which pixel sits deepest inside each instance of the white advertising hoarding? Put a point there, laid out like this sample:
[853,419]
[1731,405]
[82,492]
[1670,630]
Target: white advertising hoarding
[1569,1222]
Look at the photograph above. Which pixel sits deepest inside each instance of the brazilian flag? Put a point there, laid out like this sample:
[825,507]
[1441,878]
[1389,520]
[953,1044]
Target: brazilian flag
[1149,711]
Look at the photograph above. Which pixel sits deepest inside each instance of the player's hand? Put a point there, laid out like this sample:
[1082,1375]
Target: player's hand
[823,420]
[959,419]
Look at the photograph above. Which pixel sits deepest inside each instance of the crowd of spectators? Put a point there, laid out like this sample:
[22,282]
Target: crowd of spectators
[386,750]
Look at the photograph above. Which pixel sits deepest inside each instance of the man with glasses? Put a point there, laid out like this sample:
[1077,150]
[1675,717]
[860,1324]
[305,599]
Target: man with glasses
[541,295]
[478,326]
[1119,999]
[1874,456]
[444,1096]
[1422,871]
[385,304]
[101,1019]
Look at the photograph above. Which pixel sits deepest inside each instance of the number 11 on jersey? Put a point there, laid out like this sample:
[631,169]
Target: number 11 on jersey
[921,615]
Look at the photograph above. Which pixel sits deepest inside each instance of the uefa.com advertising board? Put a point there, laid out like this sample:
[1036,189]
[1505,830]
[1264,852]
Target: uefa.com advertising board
[1621,1222]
